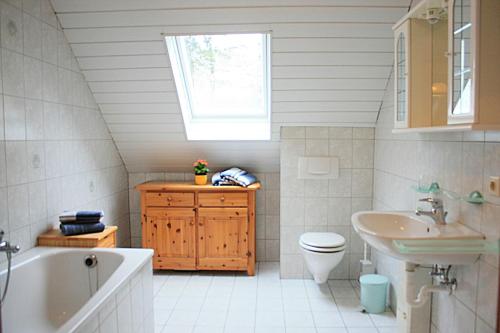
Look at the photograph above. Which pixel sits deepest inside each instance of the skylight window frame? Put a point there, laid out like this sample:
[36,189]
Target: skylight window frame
[221,127]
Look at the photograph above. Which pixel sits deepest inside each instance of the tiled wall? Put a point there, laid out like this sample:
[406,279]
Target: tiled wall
[267,209]
[460,162]
[128,309]
[55,150]
[317,205]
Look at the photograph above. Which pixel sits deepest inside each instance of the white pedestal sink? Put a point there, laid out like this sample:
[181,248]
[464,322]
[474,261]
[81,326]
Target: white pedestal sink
[382,229]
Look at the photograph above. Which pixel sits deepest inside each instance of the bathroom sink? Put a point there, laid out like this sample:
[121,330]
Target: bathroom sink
[405,236]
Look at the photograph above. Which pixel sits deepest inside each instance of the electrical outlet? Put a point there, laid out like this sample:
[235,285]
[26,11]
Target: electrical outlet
[495,186]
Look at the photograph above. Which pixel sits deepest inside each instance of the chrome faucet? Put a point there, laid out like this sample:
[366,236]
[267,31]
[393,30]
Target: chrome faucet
[437,212]
[9,250]
[5,245]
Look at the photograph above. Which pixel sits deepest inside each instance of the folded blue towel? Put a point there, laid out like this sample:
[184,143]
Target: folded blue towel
[233,172]
[245,179]
[78,229]
[217,180]
[81,216]
[233,176]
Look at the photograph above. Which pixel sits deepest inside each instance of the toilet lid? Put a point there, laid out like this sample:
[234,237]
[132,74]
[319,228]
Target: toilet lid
[322,239]
[322,249]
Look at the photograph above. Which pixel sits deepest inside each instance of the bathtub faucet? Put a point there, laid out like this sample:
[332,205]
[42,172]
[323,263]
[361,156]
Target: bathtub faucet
[5,245]
[9,250]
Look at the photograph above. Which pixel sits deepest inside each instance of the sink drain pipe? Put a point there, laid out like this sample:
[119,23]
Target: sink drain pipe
[446,285]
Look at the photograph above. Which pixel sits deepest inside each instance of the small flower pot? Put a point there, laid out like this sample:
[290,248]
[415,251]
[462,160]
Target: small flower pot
[200,179]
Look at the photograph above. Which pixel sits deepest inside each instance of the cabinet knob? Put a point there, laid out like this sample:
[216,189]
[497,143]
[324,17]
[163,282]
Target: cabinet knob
[222,199]
[169,199]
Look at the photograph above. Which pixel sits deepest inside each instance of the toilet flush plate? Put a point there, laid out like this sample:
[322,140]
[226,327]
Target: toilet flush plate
[318,168]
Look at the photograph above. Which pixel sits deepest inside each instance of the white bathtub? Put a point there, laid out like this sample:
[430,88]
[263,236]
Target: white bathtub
[52,290]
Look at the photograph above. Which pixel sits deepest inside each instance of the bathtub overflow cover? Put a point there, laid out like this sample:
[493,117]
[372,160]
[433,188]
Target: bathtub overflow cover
[90,260]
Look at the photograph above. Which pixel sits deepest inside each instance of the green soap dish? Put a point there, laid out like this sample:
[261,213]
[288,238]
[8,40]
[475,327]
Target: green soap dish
[433,188]
[475,198]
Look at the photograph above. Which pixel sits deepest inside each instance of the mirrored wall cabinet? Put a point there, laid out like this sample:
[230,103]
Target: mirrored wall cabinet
[447,67]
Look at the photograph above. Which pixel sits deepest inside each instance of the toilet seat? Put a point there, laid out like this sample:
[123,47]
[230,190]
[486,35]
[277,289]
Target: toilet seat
[322,249]
[325,242]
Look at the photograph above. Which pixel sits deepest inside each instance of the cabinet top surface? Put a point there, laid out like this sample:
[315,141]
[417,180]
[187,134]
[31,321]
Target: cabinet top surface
[169,186]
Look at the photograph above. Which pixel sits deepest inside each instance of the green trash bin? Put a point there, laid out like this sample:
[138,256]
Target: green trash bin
[373,292]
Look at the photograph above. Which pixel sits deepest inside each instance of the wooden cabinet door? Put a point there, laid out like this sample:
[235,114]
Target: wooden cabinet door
[222,238]
[173,237]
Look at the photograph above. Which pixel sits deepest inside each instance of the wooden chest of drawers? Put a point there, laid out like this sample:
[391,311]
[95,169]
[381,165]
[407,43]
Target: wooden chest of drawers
[193,227]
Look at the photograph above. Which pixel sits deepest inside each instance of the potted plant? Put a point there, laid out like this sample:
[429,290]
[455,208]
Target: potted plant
[200,172]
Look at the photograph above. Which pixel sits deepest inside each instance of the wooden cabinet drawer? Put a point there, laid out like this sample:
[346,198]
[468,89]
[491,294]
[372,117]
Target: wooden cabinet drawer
[223,199]
[169,199]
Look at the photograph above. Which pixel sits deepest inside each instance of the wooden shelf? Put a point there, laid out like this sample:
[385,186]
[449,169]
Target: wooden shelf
[106,238]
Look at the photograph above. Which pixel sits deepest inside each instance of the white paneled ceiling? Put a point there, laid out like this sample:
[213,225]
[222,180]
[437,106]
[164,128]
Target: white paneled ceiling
[330,63]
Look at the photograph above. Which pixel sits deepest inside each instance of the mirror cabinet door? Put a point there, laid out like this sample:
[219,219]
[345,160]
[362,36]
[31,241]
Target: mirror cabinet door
[461,84]
[401,80]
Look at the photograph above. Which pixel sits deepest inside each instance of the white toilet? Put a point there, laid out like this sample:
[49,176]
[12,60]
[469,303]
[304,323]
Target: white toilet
[322,252]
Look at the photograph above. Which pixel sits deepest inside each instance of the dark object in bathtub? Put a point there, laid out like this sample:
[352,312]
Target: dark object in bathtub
[78,229]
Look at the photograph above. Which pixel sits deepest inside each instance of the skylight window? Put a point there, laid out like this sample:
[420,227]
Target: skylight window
[223,84]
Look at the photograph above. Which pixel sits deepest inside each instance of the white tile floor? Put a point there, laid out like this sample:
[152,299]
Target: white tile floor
[235,303]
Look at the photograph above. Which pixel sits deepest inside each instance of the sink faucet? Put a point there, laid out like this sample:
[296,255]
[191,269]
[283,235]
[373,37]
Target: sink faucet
[437,212]
[5,245]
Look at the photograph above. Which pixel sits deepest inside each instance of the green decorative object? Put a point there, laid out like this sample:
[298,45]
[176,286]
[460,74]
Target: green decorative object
[433,188]
[476,198]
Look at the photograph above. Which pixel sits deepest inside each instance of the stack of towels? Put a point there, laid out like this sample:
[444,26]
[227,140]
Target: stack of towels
[81,222]
[233,176]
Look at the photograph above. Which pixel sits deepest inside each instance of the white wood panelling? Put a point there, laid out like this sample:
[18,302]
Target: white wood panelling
[330,63]
[324,117]
[139,118]
[68,6]
[332,44]
[143,109]
[129,61]
[136,97]
[315,106]
[280,30]
[124,48]
[325,72]
[326,95]
[332,59]
[128,74]
[227,15]
[332,84]
[132,86]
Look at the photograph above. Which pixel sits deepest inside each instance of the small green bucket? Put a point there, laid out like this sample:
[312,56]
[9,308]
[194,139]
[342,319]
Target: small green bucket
[373,292]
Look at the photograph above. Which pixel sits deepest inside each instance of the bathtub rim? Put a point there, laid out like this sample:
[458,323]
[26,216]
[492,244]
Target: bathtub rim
[133,260]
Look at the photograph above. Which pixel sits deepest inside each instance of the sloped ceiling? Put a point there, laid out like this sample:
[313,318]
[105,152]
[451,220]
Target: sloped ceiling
[330,63]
